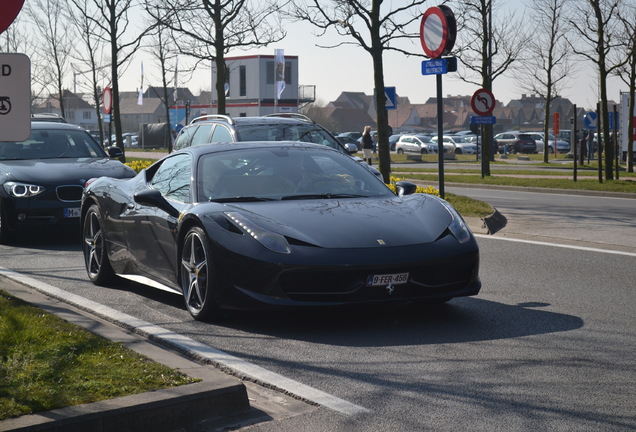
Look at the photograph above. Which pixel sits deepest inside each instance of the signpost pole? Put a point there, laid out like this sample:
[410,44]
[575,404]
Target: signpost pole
[440,135]
[599,143]
[574,142]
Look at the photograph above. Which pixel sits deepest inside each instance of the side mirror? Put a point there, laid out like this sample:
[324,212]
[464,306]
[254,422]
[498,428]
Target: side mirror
[115,152]
[405,188]
[351,148]
[153,198]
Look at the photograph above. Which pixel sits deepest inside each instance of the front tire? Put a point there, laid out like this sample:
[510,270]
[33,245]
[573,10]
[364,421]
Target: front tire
[400,151]
[197,276]
[96,260]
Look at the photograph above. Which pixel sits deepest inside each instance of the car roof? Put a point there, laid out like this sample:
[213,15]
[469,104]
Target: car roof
[55,125]
[221,147]
[291,118]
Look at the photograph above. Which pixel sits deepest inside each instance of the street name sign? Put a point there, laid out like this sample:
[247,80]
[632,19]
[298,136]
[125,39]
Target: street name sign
[15,97]
[482,120]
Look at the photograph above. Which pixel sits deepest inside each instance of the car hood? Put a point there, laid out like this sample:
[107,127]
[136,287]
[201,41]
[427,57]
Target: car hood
[58,171]
[352,223]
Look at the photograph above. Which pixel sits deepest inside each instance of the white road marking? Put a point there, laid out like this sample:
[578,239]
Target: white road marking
[217,357]
[582,248]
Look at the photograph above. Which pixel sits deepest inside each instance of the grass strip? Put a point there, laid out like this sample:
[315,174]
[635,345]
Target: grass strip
[48,363]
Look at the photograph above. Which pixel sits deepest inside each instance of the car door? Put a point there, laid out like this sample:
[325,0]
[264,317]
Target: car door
[151,233]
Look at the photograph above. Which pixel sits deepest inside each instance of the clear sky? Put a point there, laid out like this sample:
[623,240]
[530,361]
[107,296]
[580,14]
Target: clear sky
[349,68]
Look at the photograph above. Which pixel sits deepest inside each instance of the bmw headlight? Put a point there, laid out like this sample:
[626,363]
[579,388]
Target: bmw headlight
[22,190]
[457,227]
[270,240]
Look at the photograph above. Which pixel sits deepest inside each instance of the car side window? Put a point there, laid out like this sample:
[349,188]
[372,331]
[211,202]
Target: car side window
[172,178]
[184,138]
[221,134]
[202,135]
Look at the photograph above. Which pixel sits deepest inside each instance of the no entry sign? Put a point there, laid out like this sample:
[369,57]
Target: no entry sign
[438,31]
[9,10]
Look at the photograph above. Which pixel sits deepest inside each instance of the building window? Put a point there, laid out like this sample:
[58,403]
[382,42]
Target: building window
[270,72]
[242,80]
[87,115]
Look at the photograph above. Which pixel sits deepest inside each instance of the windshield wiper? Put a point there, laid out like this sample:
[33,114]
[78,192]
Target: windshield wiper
[241,199]
[322,196]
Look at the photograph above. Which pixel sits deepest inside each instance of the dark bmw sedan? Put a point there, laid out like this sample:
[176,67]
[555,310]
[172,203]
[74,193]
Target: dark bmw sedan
[43,177]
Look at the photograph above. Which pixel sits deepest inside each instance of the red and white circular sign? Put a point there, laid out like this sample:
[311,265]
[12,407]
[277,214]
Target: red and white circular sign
[438,30]
[483,102]
[107,100]
[9,10]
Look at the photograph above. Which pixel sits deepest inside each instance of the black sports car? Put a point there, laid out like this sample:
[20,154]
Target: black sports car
[276,224]
[43,177]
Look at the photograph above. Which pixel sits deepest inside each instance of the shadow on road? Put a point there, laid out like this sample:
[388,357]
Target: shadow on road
[459,321]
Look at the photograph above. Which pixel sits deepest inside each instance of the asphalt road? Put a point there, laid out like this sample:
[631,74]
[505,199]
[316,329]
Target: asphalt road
[549,344]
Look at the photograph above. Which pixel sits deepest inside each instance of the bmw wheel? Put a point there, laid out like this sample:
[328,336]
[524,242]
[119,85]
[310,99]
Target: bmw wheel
[197,276]
[95,257]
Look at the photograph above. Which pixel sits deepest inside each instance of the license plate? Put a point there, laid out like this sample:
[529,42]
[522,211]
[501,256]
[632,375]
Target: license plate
[72,212]
[387,279]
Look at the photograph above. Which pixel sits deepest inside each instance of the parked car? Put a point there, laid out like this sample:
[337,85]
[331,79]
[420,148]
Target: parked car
[562,145]
[415,144]
[393,139]
[275,225]
[354,135]
[47,117]
[515,142]
[274,127]
[459,144]
[44,176]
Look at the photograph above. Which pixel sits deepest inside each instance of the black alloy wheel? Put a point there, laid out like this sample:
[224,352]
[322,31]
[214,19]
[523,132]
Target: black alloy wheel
[197,276]
[96,260]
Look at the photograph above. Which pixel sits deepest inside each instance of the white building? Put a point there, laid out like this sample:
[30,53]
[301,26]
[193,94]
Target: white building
[251,89]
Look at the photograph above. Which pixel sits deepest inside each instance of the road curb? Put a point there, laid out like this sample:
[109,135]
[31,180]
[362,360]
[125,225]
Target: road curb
[161,410]
[217,394]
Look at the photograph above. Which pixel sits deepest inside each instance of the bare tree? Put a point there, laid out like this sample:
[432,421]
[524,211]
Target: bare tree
[208,29]
[19,39]
[49,22]
[486,50]
[164,53]
[110,18]
[376,27]
[548,56]
[89,53]
[596,36]
[627,73]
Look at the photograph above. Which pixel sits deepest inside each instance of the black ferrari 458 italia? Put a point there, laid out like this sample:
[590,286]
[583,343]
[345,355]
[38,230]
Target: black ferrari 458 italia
[278,224]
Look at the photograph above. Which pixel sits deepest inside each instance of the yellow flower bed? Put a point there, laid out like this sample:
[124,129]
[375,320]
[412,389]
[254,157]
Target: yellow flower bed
[138,165]
[427,190]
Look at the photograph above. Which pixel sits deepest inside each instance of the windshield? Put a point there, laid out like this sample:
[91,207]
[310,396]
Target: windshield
[52,143]
[304,132]
[282,173]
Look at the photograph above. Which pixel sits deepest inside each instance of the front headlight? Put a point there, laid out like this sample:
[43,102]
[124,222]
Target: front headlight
[22,190]
[457,227]
[270,240]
